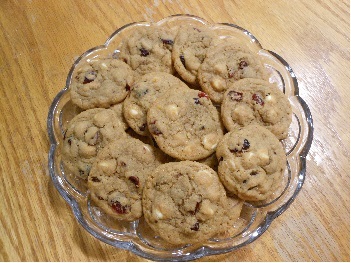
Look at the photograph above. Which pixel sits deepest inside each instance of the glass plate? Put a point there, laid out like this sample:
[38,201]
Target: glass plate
[136,236]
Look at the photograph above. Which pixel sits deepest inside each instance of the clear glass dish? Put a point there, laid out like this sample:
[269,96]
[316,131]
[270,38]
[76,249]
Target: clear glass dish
[136,236]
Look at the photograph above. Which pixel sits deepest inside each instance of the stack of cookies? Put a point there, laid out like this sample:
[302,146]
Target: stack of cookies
[181,128]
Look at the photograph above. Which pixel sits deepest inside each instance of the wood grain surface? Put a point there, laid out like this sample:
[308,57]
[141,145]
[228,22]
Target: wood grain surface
[39,40]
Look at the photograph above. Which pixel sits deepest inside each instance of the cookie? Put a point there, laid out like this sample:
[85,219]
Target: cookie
[86,134]
[101,83]
[254,101]
[149,49]
[184,202]
[117,177]
[185,124]
[189,50]
[225,64]
[251,162]
[143,93]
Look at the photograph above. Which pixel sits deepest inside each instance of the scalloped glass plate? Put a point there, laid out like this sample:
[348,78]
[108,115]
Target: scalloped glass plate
[136,236]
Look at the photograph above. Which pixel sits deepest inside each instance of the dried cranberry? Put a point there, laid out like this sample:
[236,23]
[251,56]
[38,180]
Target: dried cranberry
[243,64]
[235,96]
[134,180]
[258,99]
[142,127]
[119,208]
[95,179]
[144,52]
[89,77]
[167,41]
[127,87]
[195,227]
[246,145]
[231,72]
[182,59]
[197,208]
[154,129]
[203,95]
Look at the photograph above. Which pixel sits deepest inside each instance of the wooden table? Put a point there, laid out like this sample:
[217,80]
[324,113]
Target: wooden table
[40,40]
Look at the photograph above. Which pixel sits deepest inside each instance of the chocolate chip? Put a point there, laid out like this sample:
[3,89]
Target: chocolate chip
[243,64]
[95,179]
[142,127]
[258,99]
[119,208]
[182,59]
[134,180]
[235,96]
[89,77]
[144,52]
[195,227]
[167,41]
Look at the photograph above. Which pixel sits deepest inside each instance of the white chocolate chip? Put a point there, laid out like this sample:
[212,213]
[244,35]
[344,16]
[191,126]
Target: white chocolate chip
[263,156]
[218,84]
[102,118]
[243,114]
[172,111]
[86,150]
[210,141]
[206,208]
[270,98]
[220,68]
[134,112]
[157,214]
[108,166]
[204,177]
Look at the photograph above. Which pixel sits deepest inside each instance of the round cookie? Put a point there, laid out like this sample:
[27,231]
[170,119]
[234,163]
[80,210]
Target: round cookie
[251,162]
[189,50]
[118,175]
[225,64]
[185,124]
[254,101]
[184,202]
[143,93]
[101,83]
[86,134]
[149,49]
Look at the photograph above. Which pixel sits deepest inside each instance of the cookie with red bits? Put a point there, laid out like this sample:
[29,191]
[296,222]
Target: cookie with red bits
[185,124]
[148,49]
[143,93]
[86,134]
[184,202]
[252,162]
[101,83]
[118,175]
[254,101]
[225,64]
